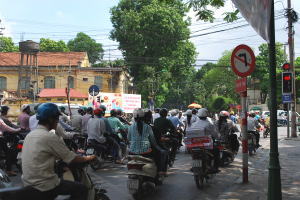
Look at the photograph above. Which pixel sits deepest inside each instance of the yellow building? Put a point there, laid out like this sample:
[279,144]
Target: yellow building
[53,70]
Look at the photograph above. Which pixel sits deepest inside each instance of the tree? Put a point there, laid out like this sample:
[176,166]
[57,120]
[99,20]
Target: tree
[53,46]
[220,80]
[261,72]
[153,36]
[204,11]
[297,62]
[7,45]
[220,103]
[84,43]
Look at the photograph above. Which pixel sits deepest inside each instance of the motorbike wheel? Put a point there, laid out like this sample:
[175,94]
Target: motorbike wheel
[138,195]
[101,196]
[199,179]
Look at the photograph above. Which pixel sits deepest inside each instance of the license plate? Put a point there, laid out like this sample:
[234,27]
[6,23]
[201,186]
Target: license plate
[197,163]
[90,151]
[133,184]
[19,156]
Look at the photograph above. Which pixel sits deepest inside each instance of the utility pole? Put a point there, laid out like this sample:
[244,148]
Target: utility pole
[291,32]
[274,181]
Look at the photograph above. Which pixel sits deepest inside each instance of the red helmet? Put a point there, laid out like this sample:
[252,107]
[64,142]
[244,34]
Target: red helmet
[98,111]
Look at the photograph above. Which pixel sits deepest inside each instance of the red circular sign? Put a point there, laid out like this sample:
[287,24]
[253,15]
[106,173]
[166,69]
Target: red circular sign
[243,60]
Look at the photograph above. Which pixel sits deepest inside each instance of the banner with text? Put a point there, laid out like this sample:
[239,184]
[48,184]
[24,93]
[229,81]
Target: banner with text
[126,102]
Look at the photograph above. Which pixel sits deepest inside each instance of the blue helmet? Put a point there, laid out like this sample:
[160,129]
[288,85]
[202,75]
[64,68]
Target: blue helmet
[47,111]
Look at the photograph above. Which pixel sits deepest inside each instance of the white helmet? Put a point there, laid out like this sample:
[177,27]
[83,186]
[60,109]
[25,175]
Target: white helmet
[224,113]
[203,112]
[173,112]
[24,106]
[138,113]
[188,112]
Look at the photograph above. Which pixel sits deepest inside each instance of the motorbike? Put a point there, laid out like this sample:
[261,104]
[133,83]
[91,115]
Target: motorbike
[202,158]
[171,144]
[142,176]
[251,143]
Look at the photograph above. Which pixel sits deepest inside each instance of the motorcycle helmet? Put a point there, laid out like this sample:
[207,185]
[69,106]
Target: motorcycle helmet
[113,112]
[98,112]
[4,109]
[173,112]
[103,107]
[224,113]
[203,112]
[163,112]
[188,112]
[137,113]
[47,111]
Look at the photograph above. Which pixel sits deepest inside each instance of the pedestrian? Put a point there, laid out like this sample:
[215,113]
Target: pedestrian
[85,119]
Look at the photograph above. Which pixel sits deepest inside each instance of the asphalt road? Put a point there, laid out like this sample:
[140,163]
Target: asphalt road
[179,185]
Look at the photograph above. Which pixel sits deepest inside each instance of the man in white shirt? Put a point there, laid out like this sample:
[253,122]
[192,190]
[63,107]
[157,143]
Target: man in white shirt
[156,114]
[40,151]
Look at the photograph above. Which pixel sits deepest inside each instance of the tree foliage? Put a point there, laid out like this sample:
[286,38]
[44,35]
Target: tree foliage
[84,43]
[7,45]
[49,45]
[261,72]
[220,103]
[153,37]
[297,62]
[204,9]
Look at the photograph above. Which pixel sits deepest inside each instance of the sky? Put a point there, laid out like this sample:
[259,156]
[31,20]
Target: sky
[62,19]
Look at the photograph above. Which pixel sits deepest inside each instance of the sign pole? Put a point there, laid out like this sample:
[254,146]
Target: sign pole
[288,120]
[244,135]
[274,182]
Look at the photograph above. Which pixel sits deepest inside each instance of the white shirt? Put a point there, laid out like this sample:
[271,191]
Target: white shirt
[155,116]
[95,130]
[40,151]
[33,122]
[252,123]
[202,128]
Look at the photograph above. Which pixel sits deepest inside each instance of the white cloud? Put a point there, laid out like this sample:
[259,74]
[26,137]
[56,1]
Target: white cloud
[7,26]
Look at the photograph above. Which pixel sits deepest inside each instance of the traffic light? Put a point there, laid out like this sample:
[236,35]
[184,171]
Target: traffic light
[98,99]
[286,66]
[287,82]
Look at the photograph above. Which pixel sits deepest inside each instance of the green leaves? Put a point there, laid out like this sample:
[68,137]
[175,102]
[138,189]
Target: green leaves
[83,42]
[53,46]
[153,37]
[203,9]
[7,45]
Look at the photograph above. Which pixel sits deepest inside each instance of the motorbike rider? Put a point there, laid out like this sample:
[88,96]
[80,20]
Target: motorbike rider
[10,156]
[40,151]
[141,138]
[155,114]
[226,127]
[98,135]
[253,126]
[194,115]
[64,116]
[117,126]
[158,150]
[204,127]
[121,118]
[177,124]
[4,113]
[76,120]
[23,119]
[85,119]
[33,121]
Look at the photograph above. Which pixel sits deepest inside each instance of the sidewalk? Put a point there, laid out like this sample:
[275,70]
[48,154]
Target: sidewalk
[257,188]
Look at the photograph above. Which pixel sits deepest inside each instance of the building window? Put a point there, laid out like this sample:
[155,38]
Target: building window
[49,82]
[71,81]
[3,83]
[72,99]
[98,81]
[48,99]
[25,83]
[85,79]
[60,99]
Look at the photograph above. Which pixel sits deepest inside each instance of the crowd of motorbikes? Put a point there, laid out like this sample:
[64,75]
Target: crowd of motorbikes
[143,175]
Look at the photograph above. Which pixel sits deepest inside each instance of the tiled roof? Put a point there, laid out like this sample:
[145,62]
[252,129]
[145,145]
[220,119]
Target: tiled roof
[44,58]
[48,93]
